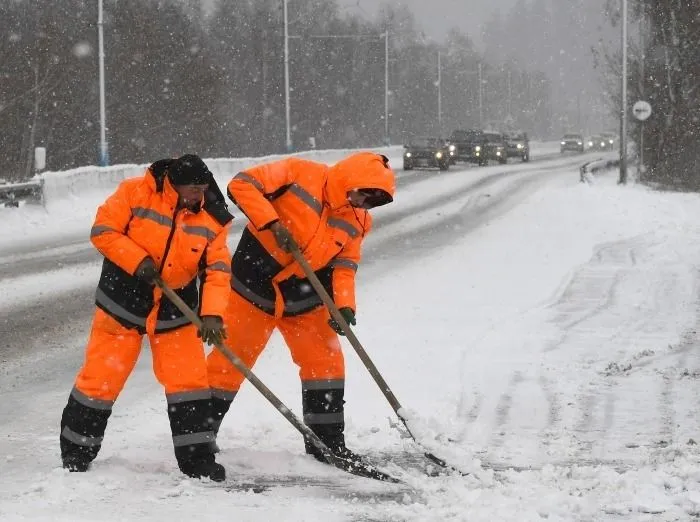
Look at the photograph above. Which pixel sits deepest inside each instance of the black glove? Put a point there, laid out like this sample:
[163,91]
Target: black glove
[283,237]
[147,270]
[212,330]
[349,317]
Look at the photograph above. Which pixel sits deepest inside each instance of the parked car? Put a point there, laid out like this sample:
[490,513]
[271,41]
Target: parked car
[517,145]
[426,152]
[572,142]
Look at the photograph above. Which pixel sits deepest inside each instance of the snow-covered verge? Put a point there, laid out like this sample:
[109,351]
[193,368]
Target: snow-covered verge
[71,197]
[559,337]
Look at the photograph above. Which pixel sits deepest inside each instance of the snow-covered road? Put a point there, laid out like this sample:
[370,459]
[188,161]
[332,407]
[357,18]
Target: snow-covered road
[522,319]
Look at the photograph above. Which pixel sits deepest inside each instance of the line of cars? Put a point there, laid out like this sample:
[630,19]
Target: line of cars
[471,146]
[575,142]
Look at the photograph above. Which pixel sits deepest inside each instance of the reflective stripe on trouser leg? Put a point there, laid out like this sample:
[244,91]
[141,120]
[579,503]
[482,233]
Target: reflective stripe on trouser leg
[110,356]
[179,363]
[82,428]
[316,350]
[190,423]
[324,412]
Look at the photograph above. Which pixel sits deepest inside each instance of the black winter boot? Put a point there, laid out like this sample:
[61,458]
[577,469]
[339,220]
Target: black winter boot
[83,425]
[203,466]
[191,425]
[323,408]
[324,414]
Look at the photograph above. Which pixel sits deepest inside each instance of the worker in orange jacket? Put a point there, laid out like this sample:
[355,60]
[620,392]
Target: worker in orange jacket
[325,211]
[170,223]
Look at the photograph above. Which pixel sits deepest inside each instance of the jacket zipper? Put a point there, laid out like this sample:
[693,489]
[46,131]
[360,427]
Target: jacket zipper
[169,241]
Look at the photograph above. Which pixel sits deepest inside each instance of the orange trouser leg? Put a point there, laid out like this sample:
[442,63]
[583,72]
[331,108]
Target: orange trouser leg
[111,354]
[248,330]
[180,366]
[316,350]
[179,361]
[314,346]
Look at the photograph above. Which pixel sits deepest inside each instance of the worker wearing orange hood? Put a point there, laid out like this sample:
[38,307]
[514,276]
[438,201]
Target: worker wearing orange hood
[325,211]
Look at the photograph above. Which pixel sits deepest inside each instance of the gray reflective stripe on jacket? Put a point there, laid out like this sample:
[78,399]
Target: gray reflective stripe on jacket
[202,437]
[250,179]
[186,396]
[150,214]
[172,323]
[343,225]
[289,307]
[220,266]
[85,400]
[346,263]
[239,287]
[199,231]
[306,197]
[323,418]
[80,440]
[117,310]
[98,230]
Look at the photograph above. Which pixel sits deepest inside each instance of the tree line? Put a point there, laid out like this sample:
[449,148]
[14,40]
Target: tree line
[180,78]
[665,71]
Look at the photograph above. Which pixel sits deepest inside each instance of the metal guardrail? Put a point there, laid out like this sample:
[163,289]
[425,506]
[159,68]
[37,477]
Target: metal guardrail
[12,193]
[591,167]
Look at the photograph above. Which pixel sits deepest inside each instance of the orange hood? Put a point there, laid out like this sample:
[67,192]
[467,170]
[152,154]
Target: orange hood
[364,170]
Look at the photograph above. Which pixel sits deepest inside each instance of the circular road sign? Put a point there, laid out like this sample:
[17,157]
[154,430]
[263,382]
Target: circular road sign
[641,110]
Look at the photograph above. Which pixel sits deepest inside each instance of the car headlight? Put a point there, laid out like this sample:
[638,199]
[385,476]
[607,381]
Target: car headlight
[580,143]
[477,148]
[611,142]
[452,153]
[498,153]
[563,143]
[602,144]
[590,143]
[408,154]
[520,145]
[452,148]
[438,154]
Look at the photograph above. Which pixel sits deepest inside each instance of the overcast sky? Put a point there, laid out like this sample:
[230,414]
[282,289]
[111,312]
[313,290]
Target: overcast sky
[438,16]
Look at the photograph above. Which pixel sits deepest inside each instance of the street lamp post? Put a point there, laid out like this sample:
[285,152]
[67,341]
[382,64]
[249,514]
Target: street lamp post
[439,94]
[387,140]
[481,99]
[384,35]
[623,107]
[104,153]
[286,77]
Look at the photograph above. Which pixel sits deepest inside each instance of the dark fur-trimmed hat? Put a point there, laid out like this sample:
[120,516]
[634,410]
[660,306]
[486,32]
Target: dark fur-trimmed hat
[189,170]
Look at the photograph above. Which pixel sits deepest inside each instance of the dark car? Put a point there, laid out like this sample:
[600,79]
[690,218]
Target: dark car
[517,145]
[599,142]
[493,148]
[572,142]
[478,146]
[463,144]
[426,152]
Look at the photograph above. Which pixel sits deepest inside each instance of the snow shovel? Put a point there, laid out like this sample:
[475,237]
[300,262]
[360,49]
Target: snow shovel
[354,341]
[266,392]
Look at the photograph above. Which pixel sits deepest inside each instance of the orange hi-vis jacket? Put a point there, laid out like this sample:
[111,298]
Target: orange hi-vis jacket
[310,200]
[142,219]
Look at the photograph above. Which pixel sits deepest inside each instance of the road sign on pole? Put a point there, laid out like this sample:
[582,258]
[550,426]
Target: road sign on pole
[641,110]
